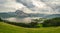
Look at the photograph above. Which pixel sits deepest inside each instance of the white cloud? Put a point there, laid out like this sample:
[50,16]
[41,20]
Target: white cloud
[9,5]
[54,4]
[37,6]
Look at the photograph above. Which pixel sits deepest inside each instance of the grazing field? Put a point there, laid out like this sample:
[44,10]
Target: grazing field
[7,28]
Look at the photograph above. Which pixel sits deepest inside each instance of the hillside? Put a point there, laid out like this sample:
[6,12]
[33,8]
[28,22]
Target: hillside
[21,14]
[52,16]
[7,28]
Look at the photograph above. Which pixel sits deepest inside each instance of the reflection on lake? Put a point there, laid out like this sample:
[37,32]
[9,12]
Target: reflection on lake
[21,20]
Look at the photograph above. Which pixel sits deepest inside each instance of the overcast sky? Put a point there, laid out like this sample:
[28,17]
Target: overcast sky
[9,5]
[13,5]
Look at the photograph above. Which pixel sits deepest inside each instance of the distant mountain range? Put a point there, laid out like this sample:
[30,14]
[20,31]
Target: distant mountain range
[21,14]
[52,16]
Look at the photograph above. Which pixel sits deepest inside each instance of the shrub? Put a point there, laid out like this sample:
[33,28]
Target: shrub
[28,25]
[1,19]
[51,22]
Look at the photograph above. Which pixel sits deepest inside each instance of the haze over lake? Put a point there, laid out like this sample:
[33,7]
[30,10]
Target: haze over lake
[21,20]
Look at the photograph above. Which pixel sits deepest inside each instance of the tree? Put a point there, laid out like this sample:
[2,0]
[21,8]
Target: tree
[34,23]
[1,19]
[52,22]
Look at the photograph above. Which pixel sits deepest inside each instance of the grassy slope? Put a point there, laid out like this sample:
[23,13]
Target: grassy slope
[7,28]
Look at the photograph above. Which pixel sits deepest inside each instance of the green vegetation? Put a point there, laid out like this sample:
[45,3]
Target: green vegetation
[1,19]
[33,24]
[10,27]
[52,22]
[27,25]
[7,28]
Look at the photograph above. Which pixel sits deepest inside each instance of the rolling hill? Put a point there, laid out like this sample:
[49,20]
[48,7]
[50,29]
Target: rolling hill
[7,28]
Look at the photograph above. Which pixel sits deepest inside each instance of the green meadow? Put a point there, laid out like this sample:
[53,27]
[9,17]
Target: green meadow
[8,28]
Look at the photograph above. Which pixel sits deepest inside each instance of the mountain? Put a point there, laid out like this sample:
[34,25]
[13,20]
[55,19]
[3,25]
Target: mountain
[52,16]
[6,15]
[21,14]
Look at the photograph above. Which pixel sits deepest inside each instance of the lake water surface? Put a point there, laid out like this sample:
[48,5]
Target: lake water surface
[21,20]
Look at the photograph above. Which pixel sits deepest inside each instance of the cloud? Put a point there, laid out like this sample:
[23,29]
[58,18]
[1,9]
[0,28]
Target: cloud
[54,4]
[35,6]
[9,5]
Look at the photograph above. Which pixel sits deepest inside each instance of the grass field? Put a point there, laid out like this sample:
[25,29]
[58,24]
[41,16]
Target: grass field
[7,28]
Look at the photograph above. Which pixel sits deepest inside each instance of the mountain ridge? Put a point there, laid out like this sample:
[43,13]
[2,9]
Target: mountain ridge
[22,14]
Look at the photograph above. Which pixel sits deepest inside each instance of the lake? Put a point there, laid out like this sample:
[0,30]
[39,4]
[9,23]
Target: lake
[21,20]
